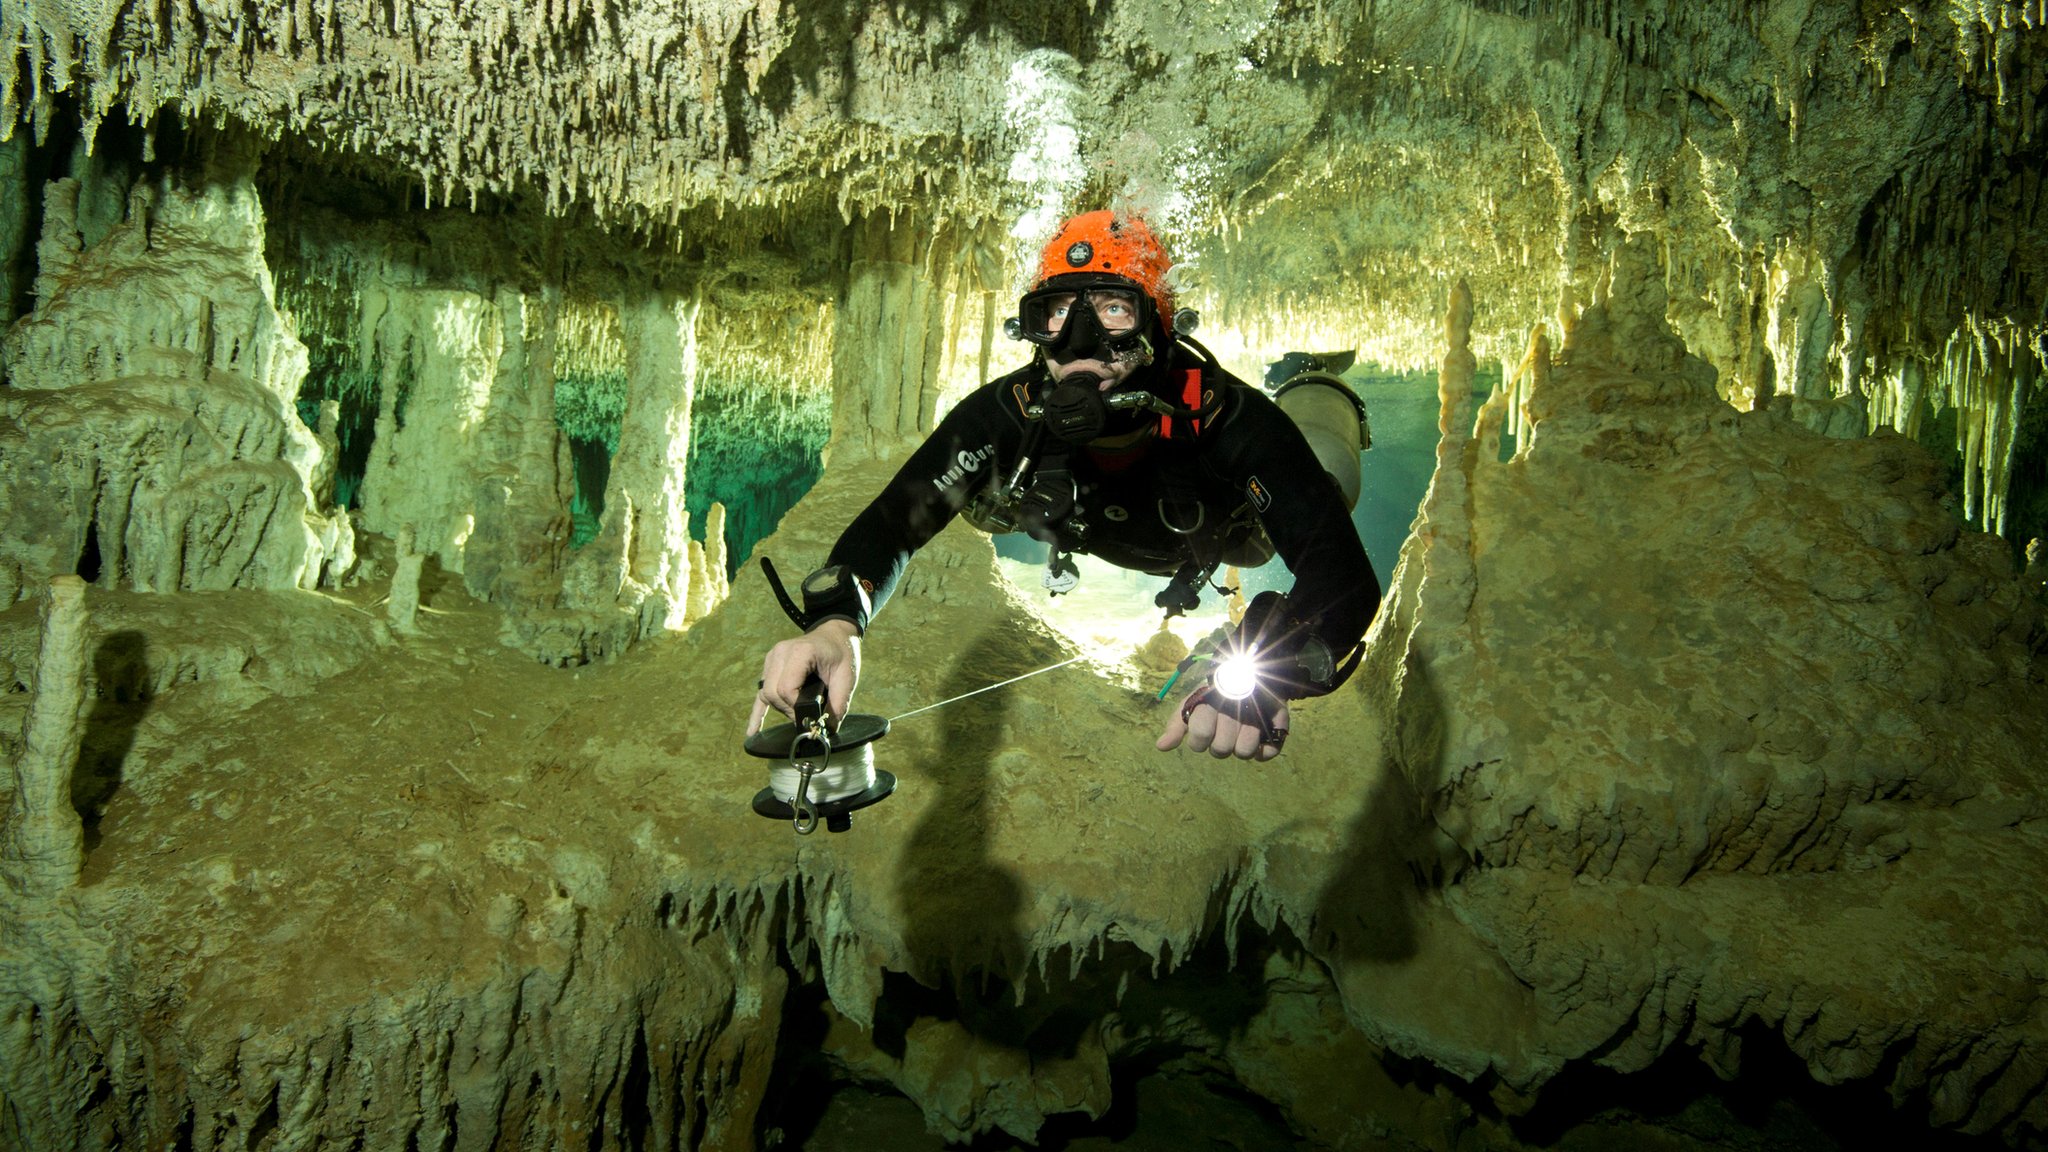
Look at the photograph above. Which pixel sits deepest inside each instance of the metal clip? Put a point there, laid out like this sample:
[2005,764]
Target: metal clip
[802,815]
[1201,517]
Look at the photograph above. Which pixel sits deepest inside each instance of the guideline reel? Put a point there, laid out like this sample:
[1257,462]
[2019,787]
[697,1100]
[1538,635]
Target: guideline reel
[825,773]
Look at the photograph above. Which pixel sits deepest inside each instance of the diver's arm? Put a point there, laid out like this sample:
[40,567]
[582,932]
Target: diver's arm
[1264,458]
[930,488]
[1263,455]
[963,453]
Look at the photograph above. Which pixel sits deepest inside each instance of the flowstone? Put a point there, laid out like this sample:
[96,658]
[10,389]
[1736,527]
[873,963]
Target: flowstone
[1732,727]
[359,903]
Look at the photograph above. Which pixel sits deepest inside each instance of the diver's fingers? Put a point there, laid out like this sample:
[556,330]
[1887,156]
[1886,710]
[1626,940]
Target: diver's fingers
[1176,731]
[1194,722]
[789,665]
[762,698]
[839,681]
[1202,728]
[1225,743]
[771,681]
[1248,737]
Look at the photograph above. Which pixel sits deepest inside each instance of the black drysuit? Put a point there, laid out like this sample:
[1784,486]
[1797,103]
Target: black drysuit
[1249,455]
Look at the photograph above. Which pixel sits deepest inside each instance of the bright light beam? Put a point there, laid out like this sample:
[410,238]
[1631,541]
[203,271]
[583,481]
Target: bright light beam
[1237,677]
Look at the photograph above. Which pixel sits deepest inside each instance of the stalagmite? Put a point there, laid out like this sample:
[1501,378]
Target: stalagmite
[402,609]
[322,479]
[1454,380]
[698,605]
[717,561]
[43,846]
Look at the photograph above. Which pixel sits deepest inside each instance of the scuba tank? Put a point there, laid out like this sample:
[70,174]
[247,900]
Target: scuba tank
[1311,391]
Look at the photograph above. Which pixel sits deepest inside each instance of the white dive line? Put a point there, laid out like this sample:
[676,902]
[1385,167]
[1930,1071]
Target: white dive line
[979,691]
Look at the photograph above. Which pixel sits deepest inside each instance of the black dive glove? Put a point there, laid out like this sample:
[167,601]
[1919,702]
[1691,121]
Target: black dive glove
[1272,658]
[1287,657]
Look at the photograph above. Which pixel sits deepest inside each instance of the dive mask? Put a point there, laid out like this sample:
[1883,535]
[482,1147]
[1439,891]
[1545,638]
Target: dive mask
[1093,317]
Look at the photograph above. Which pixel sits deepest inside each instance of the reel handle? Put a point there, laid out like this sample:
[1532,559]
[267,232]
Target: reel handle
[810,710]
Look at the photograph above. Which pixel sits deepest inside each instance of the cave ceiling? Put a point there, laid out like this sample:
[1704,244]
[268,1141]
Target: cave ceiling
[1845,196]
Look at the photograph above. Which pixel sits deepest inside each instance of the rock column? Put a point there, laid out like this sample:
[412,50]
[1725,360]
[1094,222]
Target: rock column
[654,442]
[43,844]
[329,434]
[715,556]
[889,339]
[1438,577]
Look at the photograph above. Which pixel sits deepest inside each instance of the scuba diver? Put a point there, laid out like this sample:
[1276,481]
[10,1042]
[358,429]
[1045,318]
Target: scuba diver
[1125,440]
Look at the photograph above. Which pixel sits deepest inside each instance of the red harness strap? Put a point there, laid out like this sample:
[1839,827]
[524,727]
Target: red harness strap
[1190,397]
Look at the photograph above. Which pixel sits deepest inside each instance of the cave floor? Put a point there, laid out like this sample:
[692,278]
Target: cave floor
[297,821]
[315,816]
[299,816]
[1162,1113]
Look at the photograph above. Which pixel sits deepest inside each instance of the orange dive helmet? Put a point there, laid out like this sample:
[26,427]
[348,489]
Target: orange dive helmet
[1115,244]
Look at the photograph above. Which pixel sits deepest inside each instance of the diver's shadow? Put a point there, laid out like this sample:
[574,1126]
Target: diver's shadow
[121,681]
[960,906]
[1368,909]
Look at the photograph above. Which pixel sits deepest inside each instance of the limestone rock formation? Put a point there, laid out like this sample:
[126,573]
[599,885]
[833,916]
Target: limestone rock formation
[149,419]
[394,398]
[1751,802]
[43,843]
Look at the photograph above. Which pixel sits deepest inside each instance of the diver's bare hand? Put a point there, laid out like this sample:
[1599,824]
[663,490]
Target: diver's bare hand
[1219,734]
[832,650]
